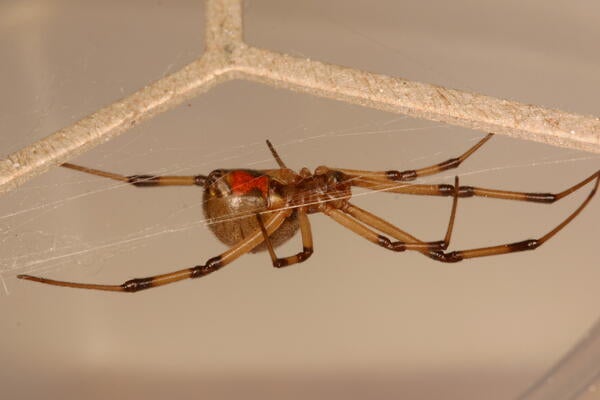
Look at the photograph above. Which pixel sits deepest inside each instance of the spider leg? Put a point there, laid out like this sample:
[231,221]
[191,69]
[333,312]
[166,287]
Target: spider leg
[307,243]
[360,229]
[530,244]
[143,180]
[355,218]
[412,174]
[213,264]
[397,233]
[470,191]
[435,250]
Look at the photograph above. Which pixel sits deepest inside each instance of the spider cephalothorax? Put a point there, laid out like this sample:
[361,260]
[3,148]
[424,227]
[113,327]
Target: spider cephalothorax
[254,210]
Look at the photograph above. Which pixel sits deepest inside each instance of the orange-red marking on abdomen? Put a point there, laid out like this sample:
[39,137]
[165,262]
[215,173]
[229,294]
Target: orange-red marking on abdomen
[243,182]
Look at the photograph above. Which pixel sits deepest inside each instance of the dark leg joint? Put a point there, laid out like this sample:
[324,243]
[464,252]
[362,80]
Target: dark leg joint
[452,257]
[449,164]
[281,262]
[211,266]
[384,242]
[466,191]
[388,244]
[135,285]
[524,245]
[438,245]
[401,176]
[298,258]
[547,198]
[306,252]
[446,190]
[143,180]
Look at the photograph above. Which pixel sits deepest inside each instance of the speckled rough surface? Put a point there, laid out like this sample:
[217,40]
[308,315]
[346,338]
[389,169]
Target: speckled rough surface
[228,57]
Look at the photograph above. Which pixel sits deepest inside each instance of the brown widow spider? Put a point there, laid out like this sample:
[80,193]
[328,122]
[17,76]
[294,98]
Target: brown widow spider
[256,210]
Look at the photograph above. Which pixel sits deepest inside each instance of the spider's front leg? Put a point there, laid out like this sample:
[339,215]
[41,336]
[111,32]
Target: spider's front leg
[412,174]
[215,263]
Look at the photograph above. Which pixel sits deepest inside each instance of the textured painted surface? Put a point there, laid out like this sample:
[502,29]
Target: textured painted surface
[227,57]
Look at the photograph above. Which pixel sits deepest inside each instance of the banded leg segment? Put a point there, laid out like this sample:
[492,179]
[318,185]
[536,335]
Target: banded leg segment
[355,218]
[400,235]
[307,243]
[412,174]
[530,244]
[212,265]
[357,227]
[143,180]
[470,191]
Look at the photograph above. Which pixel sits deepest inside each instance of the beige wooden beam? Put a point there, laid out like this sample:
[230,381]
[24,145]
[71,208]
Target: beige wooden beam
[228,57]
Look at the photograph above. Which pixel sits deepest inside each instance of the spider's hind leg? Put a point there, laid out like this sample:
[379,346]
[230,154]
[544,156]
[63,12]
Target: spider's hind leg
[212,265]
[529,244]
[143,180]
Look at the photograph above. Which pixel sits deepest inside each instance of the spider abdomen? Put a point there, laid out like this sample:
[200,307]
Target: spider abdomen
[231,200]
